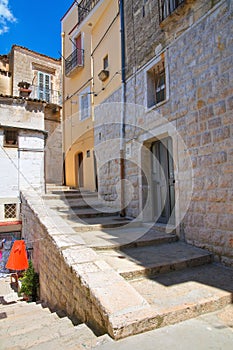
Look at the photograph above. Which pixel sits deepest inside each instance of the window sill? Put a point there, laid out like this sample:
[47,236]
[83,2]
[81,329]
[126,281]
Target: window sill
[149,109]
[174,15]
[10,146]
[84,119]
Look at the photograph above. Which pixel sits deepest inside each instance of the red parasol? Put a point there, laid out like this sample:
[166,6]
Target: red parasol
[18,256]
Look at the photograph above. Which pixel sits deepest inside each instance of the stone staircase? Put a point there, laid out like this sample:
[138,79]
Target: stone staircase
[174,280]
[31,326]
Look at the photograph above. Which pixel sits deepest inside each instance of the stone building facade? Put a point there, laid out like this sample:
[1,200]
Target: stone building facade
[178,121]
[30,128]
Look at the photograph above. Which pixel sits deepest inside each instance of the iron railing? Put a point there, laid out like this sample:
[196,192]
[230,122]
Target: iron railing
[84,8]
[76,59]
[166,7]
[44,94]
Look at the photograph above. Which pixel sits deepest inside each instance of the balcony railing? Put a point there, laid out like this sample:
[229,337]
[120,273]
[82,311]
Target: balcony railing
[166,7]
[84,8]
[48,95]
[75,60]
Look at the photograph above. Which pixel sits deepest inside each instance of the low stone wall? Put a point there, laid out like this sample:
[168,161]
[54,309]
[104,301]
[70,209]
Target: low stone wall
[73,278]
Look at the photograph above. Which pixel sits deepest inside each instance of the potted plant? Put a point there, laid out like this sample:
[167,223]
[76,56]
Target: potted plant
[29,284]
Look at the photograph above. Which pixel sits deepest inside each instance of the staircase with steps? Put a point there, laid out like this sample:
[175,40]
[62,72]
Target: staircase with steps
[30,326]
[175,281]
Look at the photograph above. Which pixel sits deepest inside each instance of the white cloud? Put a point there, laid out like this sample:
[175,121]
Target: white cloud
[6,16]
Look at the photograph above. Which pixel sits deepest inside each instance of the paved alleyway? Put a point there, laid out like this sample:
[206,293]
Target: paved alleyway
[28,326]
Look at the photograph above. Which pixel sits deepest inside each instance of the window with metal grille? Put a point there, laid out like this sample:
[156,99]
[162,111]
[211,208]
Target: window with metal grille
[11,138]
[156,84]
[166,7]
[10,211]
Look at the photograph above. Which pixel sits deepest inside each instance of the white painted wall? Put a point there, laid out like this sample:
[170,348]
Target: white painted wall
[21,167]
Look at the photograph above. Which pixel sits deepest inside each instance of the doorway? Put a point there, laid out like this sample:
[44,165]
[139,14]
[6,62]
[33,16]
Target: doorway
[79,170]
[163,181]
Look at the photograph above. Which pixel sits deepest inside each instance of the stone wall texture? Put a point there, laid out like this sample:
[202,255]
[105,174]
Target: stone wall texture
[199,105]
[25,65]
[73,277]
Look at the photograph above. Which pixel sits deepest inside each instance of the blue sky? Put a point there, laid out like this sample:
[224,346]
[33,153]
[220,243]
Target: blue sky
[32,24]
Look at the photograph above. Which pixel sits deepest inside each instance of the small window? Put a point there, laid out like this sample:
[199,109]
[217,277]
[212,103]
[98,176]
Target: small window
[88,154]
[105,62]
[166,7]
[156,84]
[10,211]
[85,104]
[11,138]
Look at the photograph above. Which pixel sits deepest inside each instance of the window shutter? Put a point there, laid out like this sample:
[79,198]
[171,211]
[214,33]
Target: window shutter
[44,82]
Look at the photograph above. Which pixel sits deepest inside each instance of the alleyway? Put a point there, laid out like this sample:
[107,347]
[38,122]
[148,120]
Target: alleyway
[29,326]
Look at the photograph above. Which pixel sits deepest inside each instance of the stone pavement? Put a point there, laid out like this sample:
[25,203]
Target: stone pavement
[29,326]
[213,331]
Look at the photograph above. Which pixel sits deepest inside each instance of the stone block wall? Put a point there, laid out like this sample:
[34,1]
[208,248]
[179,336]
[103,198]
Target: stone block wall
[25,65]
[198,112]
[145,34]
[200,107]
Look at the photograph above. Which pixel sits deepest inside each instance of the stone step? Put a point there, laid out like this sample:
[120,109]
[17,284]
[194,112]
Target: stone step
[166,228]
[111,238]
[177,296]
[21,307]
[77,205]
[180,295]
[68,195]
[81,338]
[154,259]
[30,337]
[101,223]
[26,321]
[87,213]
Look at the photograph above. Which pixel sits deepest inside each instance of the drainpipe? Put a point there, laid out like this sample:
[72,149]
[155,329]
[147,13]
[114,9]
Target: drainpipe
[63,106]
[123,100]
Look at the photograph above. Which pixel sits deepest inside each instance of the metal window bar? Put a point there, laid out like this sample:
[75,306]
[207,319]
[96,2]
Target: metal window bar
[84,8]
[10,211]
[76,59]
[11,137]
[160,86]
[166,7]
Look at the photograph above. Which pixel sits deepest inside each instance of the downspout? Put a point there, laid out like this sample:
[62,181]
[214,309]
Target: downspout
[93,113]
[123,100]
[63,107]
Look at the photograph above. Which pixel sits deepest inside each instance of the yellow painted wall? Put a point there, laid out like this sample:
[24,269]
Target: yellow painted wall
[107,45]
[83,145]
[79,134]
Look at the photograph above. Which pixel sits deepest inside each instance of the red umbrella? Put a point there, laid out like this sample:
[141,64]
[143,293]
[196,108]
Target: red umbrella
[18,257]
